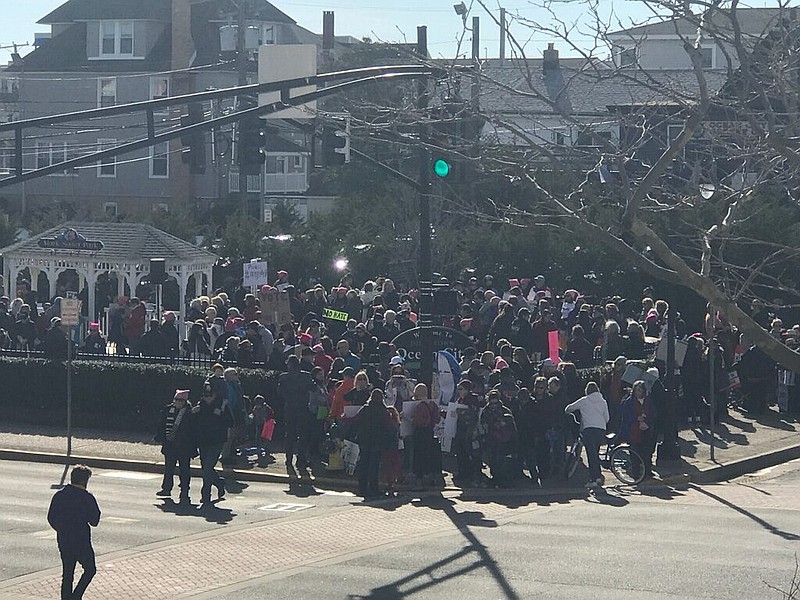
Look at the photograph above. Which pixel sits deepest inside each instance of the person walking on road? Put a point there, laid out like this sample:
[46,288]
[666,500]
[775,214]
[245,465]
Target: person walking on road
[213,421]
[176,435]
[594,419]
[72,511]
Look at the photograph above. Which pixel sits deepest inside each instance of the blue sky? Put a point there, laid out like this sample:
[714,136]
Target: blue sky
[386,20]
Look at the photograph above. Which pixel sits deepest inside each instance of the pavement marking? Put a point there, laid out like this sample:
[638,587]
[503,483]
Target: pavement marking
[120,520]
[129,475]
[286,507]
[44,534]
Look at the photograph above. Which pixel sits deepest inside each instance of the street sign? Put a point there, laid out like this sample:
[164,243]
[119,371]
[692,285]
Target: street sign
[255,274]
[70,311]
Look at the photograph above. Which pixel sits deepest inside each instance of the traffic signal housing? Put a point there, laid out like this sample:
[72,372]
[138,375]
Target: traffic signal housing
[252,139]
[336,144]
[194,142]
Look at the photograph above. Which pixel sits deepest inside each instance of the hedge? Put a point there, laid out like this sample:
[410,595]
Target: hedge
[116,396]
[106,395]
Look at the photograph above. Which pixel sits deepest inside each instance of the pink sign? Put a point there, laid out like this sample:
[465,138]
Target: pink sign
[552,342]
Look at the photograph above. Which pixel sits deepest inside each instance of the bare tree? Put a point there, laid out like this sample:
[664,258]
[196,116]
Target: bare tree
[678,167]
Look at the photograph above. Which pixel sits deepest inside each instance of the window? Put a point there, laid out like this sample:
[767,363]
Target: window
[116,38]
[106,92]
[111,209]
[6,156]
[9,87]
[159,160]
[107,167]
[707,56]
[266,35]
[673,131]
[628,58]
[295,163]
[159,88]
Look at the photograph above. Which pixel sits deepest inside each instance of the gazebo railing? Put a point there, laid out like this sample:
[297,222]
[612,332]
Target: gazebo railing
[183,361]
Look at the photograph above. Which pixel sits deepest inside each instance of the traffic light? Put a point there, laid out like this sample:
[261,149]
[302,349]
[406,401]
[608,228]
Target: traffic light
[442,168]
[194,153]
[252,138]
[336,145]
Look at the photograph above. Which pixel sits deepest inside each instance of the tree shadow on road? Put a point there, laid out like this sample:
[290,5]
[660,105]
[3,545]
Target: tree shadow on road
[210,512]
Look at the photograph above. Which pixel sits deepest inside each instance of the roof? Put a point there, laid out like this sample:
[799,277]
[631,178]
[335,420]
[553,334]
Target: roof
[123,242]
[67,52]
[753,22]
[97,10]
[588,90]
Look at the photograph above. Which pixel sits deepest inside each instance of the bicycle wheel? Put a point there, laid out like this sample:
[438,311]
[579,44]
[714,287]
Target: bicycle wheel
[573,458]
[627,465]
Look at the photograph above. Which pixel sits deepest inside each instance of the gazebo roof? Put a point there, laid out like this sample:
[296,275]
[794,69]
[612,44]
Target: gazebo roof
[122,242]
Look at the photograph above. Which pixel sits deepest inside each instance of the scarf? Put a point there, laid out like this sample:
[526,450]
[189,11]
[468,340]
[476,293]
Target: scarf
[174,431]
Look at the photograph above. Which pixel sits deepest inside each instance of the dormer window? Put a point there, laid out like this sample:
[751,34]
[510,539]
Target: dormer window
[116,38]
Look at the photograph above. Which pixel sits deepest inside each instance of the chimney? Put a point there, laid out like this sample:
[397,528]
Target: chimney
[327,30]
[550,62]
[182,43]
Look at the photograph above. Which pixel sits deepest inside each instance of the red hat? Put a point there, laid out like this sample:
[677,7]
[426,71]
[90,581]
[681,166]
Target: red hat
[318,348]
[305,339]
[94,326]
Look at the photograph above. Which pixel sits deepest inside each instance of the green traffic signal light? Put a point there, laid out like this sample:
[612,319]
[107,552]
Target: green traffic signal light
[441,167]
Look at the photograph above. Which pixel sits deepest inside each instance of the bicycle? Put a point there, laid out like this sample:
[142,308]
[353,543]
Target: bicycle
[618,457]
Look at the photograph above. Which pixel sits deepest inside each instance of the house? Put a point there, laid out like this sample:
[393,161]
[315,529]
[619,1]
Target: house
[110,52]
[660,44]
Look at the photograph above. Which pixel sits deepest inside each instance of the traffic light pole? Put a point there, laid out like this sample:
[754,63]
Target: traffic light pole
[424,198]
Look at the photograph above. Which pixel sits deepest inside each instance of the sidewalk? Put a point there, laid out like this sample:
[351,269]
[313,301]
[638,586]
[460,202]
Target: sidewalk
[742,445]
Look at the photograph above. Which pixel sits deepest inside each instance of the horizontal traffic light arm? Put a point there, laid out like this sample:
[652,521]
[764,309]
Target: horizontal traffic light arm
[375,74]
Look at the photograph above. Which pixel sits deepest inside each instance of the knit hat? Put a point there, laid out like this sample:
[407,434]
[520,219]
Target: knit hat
[94,326]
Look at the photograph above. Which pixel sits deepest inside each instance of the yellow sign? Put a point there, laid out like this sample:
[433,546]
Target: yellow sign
[334,315]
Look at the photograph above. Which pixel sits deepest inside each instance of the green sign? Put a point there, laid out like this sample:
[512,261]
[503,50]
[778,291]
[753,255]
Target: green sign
[334,315]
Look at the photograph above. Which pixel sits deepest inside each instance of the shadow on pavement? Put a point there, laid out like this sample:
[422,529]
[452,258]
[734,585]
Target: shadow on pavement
[432,575]
[762,522]
[210,512]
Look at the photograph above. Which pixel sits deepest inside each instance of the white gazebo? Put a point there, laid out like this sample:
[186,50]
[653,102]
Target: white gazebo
[126,252]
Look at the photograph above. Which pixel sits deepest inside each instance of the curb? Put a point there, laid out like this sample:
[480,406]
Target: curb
[747,465]
[715,474]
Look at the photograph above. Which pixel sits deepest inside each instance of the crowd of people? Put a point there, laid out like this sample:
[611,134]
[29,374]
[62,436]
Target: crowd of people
[513,388]
[344,385]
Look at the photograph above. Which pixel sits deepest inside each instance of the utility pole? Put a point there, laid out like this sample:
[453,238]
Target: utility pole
[424,197]
[241,69]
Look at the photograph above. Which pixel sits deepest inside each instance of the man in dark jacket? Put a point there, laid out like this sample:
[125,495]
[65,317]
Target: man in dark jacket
[374,424]
[55,341]
[178,441]
[72,511]
[212,422]
[293,389]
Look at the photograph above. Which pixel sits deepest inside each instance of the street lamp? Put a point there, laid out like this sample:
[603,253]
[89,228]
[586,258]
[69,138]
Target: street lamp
[340,264]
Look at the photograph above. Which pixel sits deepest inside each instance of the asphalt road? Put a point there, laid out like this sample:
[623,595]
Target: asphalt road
[731,540]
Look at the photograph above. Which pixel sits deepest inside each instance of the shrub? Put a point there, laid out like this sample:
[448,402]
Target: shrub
[112,396]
